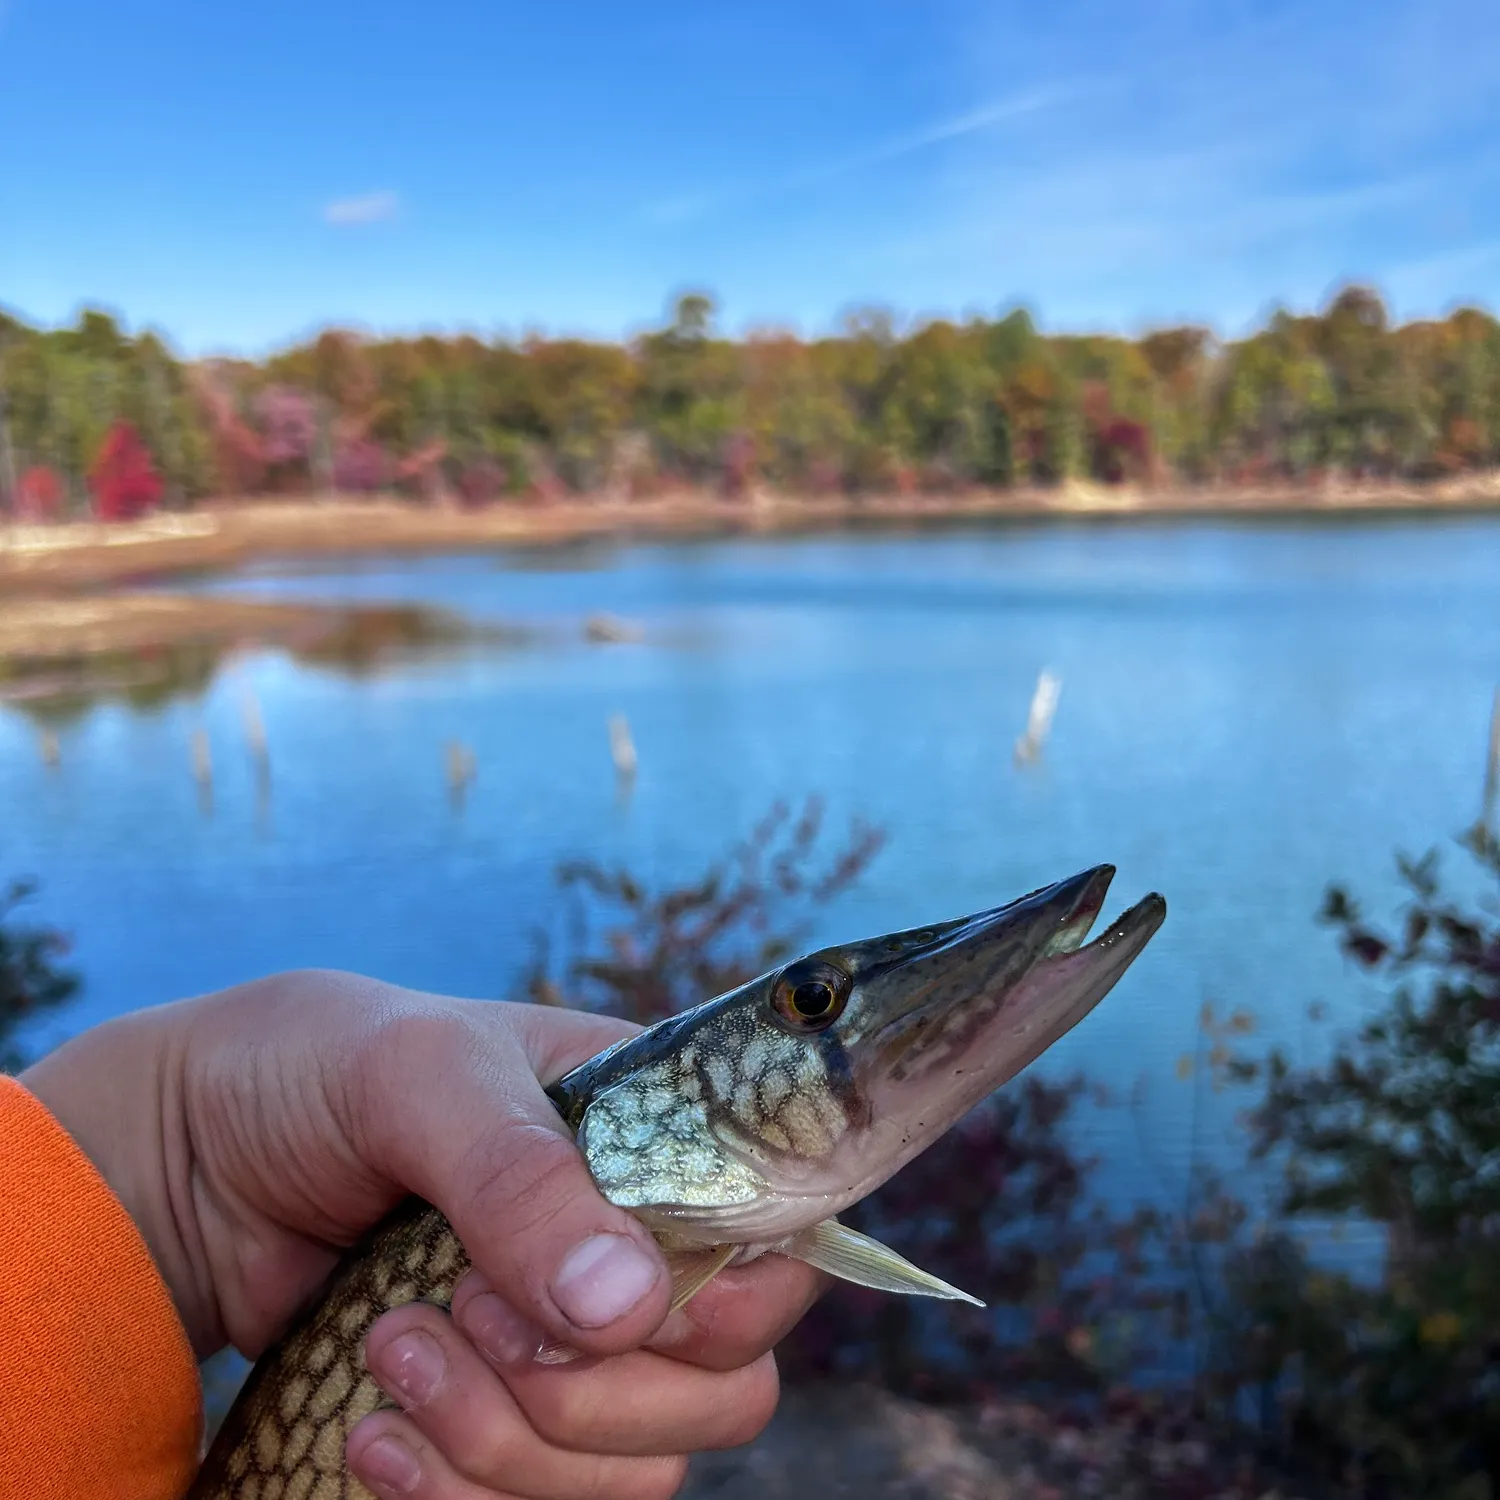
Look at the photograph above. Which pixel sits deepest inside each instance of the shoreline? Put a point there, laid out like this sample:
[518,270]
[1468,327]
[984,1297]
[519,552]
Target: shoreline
[82,615]
[75,556]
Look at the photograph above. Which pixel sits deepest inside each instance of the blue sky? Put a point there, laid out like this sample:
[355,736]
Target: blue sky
[239,174]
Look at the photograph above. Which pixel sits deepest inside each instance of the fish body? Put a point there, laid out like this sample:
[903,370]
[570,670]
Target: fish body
[738,1128]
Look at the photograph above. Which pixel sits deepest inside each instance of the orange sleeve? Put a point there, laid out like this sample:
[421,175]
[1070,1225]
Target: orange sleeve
[99,1394]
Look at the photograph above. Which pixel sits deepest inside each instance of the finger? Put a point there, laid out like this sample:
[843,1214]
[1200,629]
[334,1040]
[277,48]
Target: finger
[493,1426]
[735,1319]
[390,1454]
[741,1313]
[556,1039]
[642,1403]
[739,1316]
[476,1135]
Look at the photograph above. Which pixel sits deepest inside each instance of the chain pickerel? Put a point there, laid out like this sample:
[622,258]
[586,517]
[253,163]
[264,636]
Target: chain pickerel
[740,1127]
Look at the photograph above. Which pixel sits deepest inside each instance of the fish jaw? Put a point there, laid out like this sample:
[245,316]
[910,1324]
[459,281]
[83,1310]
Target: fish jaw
[725,1125]
[997,1036]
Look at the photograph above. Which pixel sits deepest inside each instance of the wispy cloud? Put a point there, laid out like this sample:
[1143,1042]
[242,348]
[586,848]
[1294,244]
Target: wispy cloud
[691,206]
[368,208]
[1238,154]
[1142,204]
[971,123]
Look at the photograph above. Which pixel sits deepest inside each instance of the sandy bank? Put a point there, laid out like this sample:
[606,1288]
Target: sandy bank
[51,559]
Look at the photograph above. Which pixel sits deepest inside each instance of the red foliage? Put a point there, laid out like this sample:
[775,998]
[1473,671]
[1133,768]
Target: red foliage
[737,464]
[361,466]
[39,494]
[481,483]
[289,423]
[237,446]
[1123,451]
[124,480]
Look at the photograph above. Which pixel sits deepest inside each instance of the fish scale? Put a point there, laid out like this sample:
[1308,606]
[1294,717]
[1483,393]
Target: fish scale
[738,1128]
[283,1438]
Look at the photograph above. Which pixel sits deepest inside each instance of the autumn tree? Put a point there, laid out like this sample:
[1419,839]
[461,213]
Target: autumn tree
[123,478]
[878,405]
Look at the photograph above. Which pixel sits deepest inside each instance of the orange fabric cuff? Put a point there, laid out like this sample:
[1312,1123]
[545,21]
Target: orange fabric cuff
[99,1395]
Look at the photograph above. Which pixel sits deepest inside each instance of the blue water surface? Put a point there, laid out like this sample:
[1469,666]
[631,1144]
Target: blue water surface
[1247,711]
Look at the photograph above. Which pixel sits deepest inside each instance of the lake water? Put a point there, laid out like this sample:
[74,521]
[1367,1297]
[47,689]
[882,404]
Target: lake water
[1246,713]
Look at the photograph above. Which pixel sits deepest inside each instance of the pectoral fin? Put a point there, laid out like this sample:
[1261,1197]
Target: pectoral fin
[852,1256]
[692,1270]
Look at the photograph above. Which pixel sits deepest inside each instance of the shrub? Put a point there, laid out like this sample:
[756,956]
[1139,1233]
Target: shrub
[645,955]
[1390,1381]
[31,976]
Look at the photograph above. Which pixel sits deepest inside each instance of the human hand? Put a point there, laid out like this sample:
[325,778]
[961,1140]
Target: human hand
[254,1133]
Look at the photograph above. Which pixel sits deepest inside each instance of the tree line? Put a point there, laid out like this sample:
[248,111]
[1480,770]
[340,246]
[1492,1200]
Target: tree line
[91,416]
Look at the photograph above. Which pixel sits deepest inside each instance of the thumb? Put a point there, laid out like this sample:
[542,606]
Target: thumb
[460,1117]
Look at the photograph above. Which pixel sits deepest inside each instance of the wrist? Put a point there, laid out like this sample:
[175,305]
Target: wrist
[117,1091]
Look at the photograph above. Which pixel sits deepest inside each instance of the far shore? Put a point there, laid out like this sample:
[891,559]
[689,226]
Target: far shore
[215,536]
[78,619]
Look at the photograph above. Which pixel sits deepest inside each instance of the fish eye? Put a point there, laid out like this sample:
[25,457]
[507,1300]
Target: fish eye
[809,995]
[813,999]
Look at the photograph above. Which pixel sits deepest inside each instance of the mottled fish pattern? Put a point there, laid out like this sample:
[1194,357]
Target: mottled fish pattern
[742,1126]
[284,1436]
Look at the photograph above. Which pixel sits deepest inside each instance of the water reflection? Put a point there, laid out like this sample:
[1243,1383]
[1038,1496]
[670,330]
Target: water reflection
[56,694]
[358,641]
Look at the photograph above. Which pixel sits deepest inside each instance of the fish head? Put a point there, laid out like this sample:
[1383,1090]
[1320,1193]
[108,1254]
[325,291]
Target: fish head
[772,1107]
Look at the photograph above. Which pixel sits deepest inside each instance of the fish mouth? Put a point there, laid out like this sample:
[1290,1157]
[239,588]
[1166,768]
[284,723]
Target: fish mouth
[1075,904]
[998,988]
[1071,976]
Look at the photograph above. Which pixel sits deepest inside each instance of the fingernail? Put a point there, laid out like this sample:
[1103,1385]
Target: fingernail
[602,1279]
[411,1368]
[499,1330]
[390,1466]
